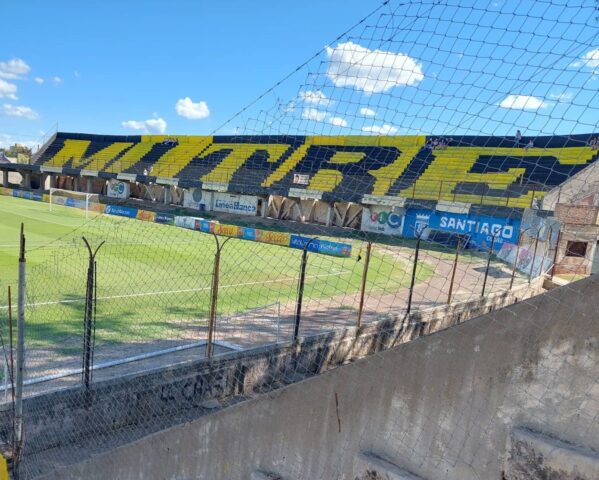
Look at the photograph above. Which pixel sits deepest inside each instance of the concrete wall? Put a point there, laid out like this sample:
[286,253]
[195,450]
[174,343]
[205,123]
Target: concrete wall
[439,407]
[129,407]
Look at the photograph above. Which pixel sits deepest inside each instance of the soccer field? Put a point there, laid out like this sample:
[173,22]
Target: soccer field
[153,281]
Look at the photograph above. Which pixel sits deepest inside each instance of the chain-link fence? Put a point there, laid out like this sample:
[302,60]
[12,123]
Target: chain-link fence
[435,163]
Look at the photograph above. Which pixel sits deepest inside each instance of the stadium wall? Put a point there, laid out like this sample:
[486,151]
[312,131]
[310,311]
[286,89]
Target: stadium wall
[164,397]
[461,404]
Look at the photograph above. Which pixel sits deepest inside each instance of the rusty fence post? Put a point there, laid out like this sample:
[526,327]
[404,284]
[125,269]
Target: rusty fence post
[414,267]
[547,247]
[214,295]
[453,270]
[559,237]
[21,296]
[520,235]
[300,289]
[493,237]
[89,315]
[363,289]
[532,263]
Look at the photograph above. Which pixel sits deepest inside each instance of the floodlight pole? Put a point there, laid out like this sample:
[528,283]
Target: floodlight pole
[214,295]
[300,289]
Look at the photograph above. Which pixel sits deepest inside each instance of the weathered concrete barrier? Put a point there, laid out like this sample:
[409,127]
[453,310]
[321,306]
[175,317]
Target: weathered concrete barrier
[133,406]
[443,406]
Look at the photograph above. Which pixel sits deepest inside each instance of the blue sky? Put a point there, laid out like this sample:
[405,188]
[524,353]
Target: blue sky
[185,67]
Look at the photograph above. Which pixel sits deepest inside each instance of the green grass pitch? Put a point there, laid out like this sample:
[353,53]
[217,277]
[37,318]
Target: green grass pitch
[154,280]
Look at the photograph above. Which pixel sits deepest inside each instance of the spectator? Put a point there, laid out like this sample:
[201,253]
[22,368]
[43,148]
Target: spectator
[594,143]
[518,138]
[530,144]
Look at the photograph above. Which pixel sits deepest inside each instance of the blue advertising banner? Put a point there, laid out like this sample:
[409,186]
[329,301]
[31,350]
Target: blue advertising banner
[121,211]
[480,228]
[165,218]
[38,197]
[321,246]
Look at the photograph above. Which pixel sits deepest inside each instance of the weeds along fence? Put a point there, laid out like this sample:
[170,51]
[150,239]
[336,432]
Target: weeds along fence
[119,296]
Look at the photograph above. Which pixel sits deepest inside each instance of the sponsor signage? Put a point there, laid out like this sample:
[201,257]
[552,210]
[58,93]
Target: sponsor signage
[275,238]
[320,246]
[324,247]
[241,204]
[146,215]
[379,219]
[197,199]
[166,218]
[480,228]
[121,211]
[301,179]
[118,189]
[187,222]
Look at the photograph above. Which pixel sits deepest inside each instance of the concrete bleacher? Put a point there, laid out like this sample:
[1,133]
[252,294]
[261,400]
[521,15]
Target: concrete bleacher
[477,170]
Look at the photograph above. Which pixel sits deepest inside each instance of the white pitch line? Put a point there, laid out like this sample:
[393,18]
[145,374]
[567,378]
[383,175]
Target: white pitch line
[186,290]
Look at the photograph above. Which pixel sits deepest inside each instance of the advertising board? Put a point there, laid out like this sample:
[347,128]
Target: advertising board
[241,204]
[118,189]
[480,228]
[382,219]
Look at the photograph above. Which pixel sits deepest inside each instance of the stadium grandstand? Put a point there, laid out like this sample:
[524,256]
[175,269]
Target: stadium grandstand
[481,170]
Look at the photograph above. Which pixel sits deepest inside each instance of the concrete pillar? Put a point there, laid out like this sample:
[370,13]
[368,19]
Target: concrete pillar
[167,195]
[89,185]
[42,185]
[330,213]
[5,178]
[264,206]
[27,180]
[77,184]
[52,180]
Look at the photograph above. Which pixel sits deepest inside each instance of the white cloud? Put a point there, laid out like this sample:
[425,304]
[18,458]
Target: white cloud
[522,102]
[313,114]
[38,80]
[186,108]
[589,60]
[373,71]
[8,90]
[153,125]
[384,129]
[561,97]
[19,111]
[315,97]
[14,69]
[367,112]
[57,80]
[338,121]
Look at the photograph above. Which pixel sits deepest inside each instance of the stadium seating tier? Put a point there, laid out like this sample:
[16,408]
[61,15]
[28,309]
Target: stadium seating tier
[478,170]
